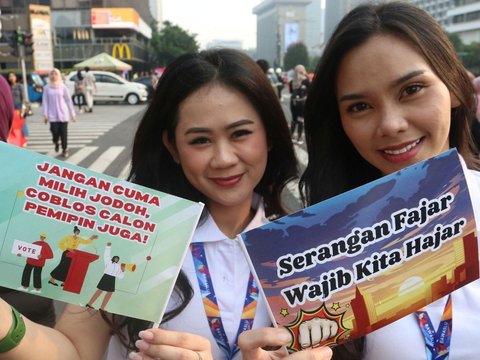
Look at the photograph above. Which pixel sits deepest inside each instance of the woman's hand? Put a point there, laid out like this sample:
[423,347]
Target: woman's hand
[6,318]
[166,345]
[45,119]
[251,343]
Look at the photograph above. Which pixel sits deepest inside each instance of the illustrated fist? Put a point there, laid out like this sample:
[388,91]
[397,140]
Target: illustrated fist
[313,332]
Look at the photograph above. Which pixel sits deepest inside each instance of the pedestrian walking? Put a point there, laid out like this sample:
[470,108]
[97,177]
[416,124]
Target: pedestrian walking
[57,109]
[18,95]
[298,86]
[280,82]
[79,92]
[90,88]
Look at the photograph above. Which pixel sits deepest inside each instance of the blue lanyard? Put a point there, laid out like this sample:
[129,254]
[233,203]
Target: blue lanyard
[437,343]
[210,303]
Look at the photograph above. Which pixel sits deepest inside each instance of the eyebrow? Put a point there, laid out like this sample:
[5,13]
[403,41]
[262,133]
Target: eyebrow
[394,83]
[197,130]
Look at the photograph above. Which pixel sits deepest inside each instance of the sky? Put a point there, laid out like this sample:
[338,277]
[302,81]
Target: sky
[215,19]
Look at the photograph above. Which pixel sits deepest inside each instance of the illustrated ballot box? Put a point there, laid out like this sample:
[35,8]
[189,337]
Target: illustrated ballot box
[78,270]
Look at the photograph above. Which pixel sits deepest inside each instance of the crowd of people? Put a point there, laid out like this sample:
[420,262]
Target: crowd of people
[388,92]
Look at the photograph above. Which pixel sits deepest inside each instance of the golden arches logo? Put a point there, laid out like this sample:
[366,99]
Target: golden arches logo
[119,49]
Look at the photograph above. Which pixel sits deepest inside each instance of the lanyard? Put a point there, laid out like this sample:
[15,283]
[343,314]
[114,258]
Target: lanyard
[437,343]
[211,306]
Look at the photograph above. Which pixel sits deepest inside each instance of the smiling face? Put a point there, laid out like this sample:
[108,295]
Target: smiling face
[393,107]
[221,145]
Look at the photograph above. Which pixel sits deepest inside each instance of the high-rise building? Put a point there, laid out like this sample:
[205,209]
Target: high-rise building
[280,23]
[156,8]
[461,17]
[83,28]
[314,29]
[335,10]
[437,8]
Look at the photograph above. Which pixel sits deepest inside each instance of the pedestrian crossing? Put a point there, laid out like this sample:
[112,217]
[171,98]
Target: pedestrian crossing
[79,135]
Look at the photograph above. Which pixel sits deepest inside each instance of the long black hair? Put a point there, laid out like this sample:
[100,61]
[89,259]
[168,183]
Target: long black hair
[333,161]
[334,164]
[154,167]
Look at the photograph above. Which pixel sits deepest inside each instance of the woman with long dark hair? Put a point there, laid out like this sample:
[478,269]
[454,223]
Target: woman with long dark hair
[389,92]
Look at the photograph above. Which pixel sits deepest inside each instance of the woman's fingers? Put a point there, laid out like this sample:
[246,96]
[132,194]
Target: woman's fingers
[320,353]
[173,345]
[251,342]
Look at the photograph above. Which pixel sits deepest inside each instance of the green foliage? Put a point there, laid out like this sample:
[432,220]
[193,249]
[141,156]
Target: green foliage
[469,54]
[456,41]
[171,42]
[471,57]
[297,53]
[313,64]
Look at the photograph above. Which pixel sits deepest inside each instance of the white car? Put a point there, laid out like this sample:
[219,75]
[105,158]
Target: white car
[111,87]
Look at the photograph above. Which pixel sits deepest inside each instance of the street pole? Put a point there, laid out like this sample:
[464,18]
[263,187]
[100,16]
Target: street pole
[21,49]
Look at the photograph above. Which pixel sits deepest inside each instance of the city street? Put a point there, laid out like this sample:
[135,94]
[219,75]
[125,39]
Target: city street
[100,141]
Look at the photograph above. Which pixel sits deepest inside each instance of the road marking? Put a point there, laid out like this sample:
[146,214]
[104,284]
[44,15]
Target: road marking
[125,171]
[81,154]
[107,157]
[79,135]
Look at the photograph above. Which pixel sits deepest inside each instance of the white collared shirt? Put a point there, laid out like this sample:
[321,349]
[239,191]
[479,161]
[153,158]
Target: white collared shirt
[229,272]
[403,339]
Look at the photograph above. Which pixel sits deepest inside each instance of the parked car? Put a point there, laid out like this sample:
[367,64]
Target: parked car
[35,85]
[147,81]
[112,87]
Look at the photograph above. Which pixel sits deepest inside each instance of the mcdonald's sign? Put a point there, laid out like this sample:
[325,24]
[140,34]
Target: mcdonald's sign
[119,49]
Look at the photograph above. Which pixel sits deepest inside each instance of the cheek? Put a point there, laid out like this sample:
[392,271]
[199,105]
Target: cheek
[259,147]
[191,160]
[352,132]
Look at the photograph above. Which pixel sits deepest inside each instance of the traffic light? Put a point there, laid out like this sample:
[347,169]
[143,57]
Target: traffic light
[27,40]
[19,37]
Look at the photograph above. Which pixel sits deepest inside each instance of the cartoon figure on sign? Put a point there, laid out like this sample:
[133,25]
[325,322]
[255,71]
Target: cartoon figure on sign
[313,332]
[68,244]
[112,271]
[36,262]
[314,328]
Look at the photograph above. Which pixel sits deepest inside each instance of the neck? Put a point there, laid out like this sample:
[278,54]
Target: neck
[232,220]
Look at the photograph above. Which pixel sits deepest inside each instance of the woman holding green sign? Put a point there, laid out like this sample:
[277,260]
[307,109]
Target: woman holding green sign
[389,92]
[214,132]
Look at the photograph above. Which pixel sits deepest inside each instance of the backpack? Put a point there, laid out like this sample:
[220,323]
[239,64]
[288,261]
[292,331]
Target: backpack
[299,95]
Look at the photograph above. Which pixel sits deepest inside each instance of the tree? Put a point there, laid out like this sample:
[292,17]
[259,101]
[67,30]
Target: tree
[469,53]
[171,42]
[297,53]
[456,41]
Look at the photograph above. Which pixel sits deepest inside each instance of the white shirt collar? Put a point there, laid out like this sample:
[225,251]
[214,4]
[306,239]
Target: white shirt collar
[208,231]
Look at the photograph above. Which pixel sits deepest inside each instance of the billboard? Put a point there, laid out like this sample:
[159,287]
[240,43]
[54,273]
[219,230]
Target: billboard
[119,18]
[292,34]
[41,28]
